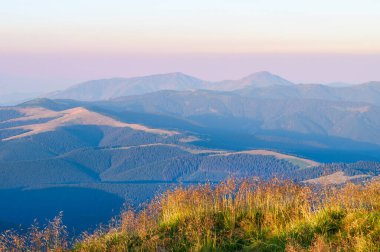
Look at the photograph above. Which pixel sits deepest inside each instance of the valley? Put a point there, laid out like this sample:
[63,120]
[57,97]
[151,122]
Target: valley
[107,153]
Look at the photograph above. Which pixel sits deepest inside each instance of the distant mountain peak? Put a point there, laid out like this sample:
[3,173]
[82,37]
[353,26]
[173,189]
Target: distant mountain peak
[265,78]
[171,74]
[263,73]
[105,89]
[179,74]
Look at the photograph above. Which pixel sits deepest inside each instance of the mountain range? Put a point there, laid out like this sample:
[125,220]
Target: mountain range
[111,88]
[257,85]
[101,143]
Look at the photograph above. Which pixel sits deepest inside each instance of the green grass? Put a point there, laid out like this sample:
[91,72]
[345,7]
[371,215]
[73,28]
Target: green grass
[246,216]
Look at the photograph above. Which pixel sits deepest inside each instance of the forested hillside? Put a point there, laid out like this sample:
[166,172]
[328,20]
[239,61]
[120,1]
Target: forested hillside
[65,152]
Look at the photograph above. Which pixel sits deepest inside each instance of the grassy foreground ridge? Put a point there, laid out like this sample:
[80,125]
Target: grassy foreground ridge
[236,215]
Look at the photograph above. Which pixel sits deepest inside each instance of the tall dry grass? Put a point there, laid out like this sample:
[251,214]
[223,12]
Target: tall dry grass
[250,215]
[246,215]
[52,237]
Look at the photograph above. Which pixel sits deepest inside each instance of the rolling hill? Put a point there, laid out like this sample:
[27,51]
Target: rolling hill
[366,93]
[125,140]
[69,151]
[357,121]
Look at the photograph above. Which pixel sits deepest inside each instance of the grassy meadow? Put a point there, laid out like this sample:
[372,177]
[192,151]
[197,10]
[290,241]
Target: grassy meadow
[235,215]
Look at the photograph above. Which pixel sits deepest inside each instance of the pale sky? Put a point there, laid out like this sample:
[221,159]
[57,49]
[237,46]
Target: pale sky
[65,41]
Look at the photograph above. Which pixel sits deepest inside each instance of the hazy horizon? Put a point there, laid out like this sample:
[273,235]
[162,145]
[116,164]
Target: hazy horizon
[106,106]
[50,45]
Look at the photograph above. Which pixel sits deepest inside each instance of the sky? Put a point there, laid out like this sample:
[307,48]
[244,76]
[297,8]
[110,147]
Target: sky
[51,44]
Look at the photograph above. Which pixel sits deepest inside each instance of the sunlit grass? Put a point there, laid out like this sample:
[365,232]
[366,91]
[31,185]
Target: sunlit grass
[245,215]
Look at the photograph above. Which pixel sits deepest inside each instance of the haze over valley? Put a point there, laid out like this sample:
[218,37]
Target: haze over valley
[105,140]
[203,125]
